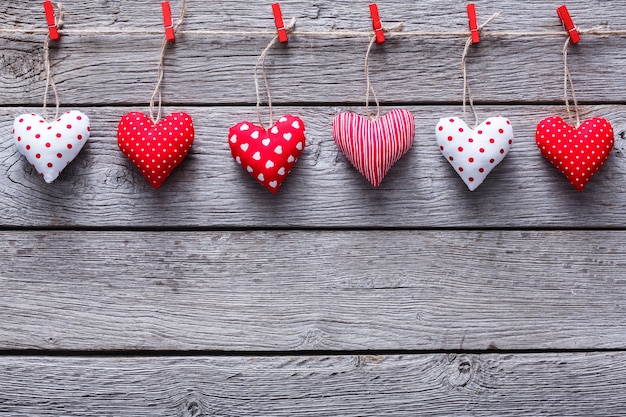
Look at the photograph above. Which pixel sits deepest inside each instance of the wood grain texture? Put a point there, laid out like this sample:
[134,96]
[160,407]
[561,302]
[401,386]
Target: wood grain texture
[102,188]
[200,69]
[312,290]
[426,385]
[121,278]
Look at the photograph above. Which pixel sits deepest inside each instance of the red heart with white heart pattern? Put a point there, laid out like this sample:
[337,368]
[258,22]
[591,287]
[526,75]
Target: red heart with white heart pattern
[50,147]
[156,149]
[372,147]
[268,155]
[577,153]
[473,153]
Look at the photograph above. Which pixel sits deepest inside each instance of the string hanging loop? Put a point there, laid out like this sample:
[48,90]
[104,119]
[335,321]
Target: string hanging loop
[52,35]
[261,63]
[467,92]
[169,33]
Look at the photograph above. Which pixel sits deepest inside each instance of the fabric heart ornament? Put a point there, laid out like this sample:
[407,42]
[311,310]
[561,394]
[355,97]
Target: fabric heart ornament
[577,152]
[268,155]
[50,147]
[473,153]
[156,149]
[372,147]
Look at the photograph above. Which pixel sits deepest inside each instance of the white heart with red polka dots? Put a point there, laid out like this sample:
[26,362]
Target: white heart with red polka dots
[50,147]
[473,153]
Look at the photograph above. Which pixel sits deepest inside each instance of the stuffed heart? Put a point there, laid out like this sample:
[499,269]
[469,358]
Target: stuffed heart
[156,149]
[374,146]
[50,147]
[268,155]
[577,153]
[474,153]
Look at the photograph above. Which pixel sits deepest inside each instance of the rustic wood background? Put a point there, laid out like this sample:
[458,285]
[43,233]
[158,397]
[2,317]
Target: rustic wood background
[212,297]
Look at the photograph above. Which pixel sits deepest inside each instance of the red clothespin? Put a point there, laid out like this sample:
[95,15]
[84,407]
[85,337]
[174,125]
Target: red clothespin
[568,23]
[280,25]
[378,26]
[51,20]
[167,21]
[473,22]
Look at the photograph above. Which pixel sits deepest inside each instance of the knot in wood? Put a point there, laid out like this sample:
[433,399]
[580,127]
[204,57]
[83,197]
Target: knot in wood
[192,409]
[460,370]
[312,339]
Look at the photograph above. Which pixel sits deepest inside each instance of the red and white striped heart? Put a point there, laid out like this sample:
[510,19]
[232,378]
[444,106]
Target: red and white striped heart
[372,147]
[577,153]
[50,147]
[268,155]
[156,149]
[474,153]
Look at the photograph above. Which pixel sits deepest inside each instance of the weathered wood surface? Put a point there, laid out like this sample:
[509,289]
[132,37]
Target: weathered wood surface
[214,267]
[574,384]
[102,188]
[201,69]
[311,290]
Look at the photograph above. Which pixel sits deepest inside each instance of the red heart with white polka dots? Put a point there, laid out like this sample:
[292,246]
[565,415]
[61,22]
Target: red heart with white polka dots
[156,149]
[474,153]
[50,147]
[577,153]
[268,155]
[372,147]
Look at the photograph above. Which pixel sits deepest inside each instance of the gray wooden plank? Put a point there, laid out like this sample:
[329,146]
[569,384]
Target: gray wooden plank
[310,14]
[544,384]
[312,290]
[218,69]
[102,188]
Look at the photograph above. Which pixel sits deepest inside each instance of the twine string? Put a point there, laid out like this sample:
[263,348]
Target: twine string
[467,92]
[49,82]
[596,31]
[602,31]
[157,90]
[568,82]
[161,69]
[261,62]
[60,17]
[370,87]
[46,60]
